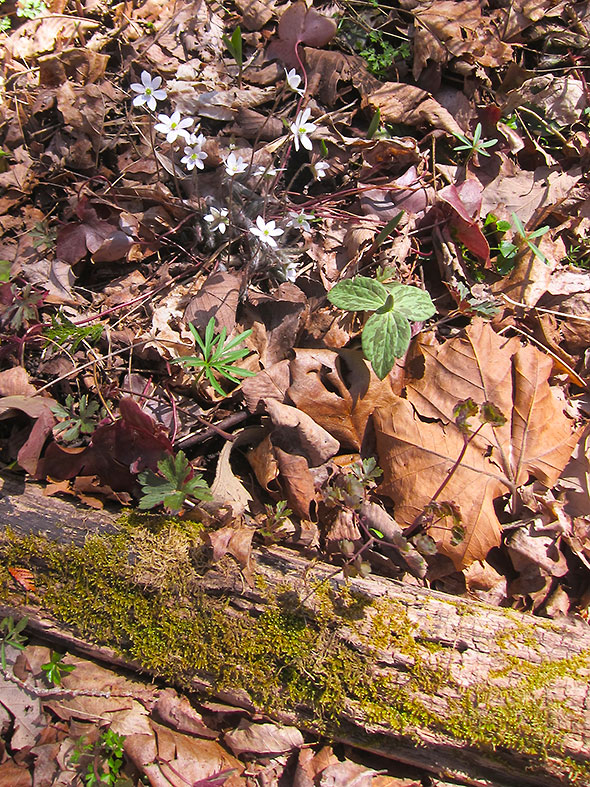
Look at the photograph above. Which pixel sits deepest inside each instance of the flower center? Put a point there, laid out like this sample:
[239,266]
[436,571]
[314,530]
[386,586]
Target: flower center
[173,125]
[148,91]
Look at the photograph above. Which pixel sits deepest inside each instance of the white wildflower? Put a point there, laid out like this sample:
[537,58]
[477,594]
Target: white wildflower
[319,169]
[293,81]
[301,128]
[266,231]
[300,220]
[290,271]
[217,219]
[194,155]
[267,172]
[149,91]
[235,165]
[173,127]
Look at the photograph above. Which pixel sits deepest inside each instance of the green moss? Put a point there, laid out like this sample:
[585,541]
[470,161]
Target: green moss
[138,591]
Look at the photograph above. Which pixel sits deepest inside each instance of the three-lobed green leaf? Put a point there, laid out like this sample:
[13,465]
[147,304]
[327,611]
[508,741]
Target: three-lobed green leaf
[387,332]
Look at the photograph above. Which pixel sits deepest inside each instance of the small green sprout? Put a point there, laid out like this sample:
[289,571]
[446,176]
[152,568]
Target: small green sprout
[11,637]
[475,145]
[55,669]
[528,237]
[234,44]
[218,356]
[75,424]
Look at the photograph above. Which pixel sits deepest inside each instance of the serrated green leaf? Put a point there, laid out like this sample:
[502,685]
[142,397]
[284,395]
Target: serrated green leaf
[385,338]
[412,302]
[358,294]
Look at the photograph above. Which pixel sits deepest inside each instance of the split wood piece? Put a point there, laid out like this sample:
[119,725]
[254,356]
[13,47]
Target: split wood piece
[483,695]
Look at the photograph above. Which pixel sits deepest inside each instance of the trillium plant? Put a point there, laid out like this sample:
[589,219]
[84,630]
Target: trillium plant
[386,334]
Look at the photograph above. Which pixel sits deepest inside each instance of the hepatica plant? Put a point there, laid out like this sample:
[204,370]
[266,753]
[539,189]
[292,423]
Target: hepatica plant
[387,332]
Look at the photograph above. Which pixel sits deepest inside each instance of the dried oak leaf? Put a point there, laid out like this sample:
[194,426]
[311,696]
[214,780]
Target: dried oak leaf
[446,29]
[416,455]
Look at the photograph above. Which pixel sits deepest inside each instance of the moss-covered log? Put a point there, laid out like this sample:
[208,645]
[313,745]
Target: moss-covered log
[487,696]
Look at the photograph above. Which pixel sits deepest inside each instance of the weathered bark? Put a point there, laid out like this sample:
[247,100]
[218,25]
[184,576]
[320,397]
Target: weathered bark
[485,695]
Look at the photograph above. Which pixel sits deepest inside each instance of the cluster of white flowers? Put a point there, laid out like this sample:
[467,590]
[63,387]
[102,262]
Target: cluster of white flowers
[173,127]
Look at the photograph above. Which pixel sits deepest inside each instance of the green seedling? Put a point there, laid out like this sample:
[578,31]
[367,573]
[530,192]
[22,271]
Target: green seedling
[31,9]
[276,516]
[234,44]
[177,481]
[106,759]
[69,335]
[11,635]
[475,145]
[528,237]
[218,356]
[76,424]
[386,334]
[55,669]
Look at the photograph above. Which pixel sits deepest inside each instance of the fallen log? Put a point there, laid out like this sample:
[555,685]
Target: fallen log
[483,695]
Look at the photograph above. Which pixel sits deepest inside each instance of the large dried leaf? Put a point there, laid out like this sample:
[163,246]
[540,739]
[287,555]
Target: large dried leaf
[339,391]
[300,25]
[400,103]
[416,455]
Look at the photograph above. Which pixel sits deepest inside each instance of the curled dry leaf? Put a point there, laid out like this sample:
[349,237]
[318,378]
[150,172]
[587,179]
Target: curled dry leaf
[294,428]
[400,103]
[339,391]
[416,456]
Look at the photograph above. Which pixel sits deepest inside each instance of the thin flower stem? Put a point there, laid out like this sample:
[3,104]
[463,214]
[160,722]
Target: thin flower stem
[153,146]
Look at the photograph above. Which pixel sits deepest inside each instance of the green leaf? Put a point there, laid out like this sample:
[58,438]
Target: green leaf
[374,124]
[171,490]
[358,294]
[5,270]
[388,229]
[385,338]
[412,302]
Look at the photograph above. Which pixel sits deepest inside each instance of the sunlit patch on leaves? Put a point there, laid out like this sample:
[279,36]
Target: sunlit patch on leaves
[176,482]
[387,332]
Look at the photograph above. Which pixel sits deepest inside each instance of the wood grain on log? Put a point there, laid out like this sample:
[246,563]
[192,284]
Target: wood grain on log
[485,695]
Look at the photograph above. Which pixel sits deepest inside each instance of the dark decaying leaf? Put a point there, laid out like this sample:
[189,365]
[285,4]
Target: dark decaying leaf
[300,25]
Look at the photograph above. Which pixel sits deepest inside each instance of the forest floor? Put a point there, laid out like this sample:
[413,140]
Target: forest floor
[320,276]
